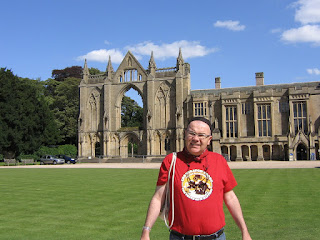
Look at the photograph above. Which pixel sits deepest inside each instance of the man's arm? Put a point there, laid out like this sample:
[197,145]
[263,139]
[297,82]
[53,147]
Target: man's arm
[234,207]
[153,210]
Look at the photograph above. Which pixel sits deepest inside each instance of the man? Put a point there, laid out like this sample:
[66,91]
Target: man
[202,181]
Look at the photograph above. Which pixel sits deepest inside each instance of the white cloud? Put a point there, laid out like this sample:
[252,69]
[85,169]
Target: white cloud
[308,14]
[308,11]
[231,25]
[313,71]
[190,49]
[307,33]
[102,55]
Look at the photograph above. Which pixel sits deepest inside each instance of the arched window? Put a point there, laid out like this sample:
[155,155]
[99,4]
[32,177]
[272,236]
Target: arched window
[167,146]
[97,149]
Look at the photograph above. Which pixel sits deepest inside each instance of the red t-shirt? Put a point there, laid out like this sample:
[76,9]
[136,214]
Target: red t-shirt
[199,185]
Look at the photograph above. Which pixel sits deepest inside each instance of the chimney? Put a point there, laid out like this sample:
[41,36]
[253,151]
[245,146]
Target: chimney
[218,82]
[259,79]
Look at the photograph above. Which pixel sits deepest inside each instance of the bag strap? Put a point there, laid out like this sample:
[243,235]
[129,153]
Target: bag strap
[172,169]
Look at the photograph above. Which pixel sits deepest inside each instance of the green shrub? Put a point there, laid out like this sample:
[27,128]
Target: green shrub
[70,150]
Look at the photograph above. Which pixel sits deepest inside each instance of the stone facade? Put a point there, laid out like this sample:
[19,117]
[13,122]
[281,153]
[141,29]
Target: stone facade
[262,122]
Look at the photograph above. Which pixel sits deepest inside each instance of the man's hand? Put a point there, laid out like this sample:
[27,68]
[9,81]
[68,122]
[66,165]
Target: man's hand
[153,211]
[233,204]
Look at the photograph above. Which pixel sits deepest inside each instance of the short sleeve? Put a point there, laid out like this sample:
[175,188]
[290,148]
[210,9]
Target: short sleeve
[164,169]
[230,180]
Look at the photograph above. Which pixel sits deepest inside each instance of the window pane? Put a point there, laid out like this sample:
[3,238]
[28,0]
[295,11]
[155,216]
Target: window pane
[305,126]
[264,112]
[236,130]
[304,109]
[269,128]
[260,128]
[300,123]
[227,125]
[231,129]
[259,112]
[296,125]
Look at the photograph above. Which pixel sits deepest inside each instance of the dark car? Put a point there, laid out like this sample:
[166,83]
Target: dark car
[67,159]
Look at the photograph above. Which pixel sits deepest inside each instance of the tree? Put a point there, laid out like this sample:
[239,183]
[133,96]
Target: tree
[69,72]
[25,118]
[63,97]
[94,71]
[62,93]
[131,113]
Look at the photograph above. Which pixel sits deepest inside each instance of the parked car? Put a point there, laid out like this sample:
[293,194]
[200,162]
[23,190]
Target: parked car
[67,159]
[51,159]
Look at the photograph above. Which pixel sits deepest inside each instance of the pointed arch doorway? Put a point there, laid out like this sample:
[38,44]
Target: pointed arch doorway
[302,152]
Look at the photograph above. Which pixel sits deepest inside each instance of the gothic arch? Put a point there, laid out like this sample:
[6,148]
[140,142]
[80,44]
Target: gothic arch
[158,142]
[94,110]
[115,145]
[164,103]
[129,137]
[125,89]
[119,97]
[100,107]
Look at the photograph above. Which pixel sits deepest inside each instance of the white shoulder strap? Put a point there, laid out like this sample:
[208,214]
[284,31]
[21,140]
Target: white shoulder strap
[172,169]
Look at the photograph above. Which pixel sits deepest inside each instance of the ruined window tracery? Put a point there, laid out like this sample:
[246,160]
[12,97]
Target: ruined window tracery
[130,75]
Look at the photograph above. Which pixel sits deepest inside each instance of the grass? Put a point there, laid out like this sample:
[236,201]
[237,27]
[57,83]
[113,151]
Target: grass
[112,203]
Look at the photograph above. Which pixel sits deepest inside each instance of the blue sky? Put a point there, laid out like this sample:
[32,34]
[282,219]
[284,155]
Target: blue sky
[228,39]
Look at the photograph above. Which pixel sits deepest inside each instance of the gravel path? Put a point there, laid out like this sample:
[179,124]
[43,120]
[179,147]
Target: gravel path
[233,165]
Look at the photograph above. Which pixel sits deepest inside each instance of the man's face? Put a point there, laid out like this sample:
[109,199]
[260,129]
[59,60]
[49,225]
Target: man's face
[195,144]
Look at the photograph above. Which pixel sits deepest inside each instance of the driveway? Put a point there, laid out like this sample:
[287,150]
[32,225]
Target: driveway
[233,165]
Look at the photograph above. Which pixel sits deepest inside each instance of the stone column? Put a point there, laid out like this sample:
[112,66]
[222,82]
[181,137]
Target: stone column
[239,154]
[260,153]
[249,152]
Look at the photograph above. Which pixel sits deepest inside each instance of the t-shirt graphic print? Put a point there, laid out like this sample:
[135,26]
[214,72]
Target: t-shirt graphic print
[196,184]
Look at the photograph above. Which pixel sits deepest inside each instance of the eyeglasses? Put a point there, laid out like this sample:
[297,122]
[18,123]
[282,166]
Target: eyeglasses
[200,135]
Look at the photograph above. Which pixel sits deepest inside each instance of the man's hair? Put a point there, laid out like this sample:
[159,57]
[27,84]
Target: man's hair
[202,119]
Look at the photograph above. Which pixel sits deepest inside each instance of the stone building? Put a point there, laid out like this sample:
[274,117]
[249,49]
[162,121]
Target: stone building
[261,122]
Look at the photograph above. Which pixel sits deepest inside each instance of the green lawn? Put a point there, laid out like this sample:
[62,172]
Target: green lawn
[112,203]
